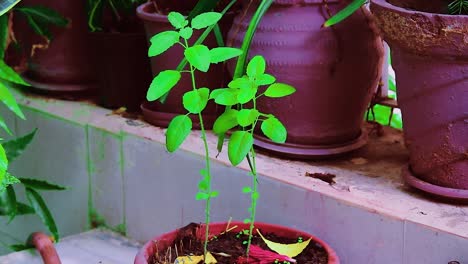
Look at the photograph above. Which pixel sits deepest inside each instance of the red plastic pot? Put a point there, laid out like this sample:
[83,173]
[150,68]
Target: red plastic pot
[66,65]
[124,69]
[335,71]
[430,58]
[166,240]
[161,114]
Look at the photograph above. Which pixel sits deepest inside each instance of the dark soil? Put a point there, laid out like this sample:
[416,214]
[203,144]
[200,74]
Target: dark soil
[231,243]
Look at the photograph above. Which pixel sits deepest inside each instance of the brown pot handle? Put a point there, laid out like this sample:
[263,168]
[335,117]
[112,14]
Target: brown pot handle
[45,246]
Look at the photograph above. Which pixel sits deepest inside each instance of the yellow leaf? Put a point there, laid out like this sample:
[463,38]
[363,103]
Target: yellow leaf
[195,259]
[290,250]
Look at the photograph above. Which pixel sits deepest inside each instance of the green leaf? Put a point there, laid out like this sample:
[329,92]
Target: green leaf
[195,101]
[41,185]
[8,180]
[202,196]
[6,5]
[256,67]
[203,185]
[15,147]
[186,33]
[246,117]
[227,97]
[8,205]
[246,221]
[214,194]
[44,15]
[265,79]
[24,209]
[162,42]
[225,121]
[247,189]
[7,73]
[215,93]
[3,35]
[222,54]
[346,12]
[4,126]
[255,195]
[162,83]
[246,94]
[3,167]
[177,20]
[240,83]
[20,247]
[41,209]
[199,56]
[277,90]
[274,130]
[178,130]
[239,146]
[206,19]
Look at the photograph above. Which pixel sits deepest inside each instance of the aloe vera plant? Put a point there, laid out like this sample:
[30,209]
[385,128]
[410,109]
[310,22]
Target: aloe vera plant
[242,92]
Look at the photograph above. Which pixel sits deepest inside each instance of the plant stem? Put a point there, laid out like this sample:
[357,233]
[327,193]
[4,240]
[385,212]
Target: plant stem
[208,168]
[254,197]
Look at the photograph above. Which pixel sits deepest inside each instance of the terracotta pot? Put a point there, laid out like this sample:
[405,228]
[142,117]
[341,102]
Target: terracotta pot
[66,65]
[166,240]
[45,247]
[430,58]
[161,114]
[335,71]
[124,69]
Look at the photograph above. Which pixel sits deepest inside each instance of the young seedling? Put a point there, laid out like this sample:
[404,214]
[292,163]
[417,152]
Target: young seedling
[244,92]
[199,57]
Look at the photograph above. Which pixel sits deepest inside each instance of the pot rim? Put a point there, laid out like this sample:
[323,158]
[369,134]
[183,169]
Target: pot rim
[144,14]
[385,4]
[332,256]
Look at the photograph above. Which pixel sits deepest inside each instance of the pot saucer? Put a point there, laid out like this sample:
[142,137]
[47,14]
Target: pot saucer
[456,195]
[298,151]
[47,87]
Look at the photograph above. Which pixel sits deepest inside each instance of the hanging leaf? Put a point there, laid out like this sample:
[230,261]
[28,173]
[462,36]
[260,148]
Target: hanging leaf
[41,209]
[206,19]
[14,148]
[3,167]
[5,126]
[24,209]
[290,250]
[40,18]
[178,130]
[4,32]
[247,117]
[41,185]
[199,56]
[239,146]
[274,130]
[256,67]
[177,20]
[277,90]
[344,13]
[8,202]
[162,42]
[225,121]
[223,54]
[7,73]
[195,101]
[162,83]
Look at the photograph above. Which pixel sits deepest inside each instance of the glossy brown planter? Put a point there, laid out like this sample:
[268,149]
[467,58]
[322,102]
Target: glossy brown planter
[161,114]
[430,58]
[162,242]
[335,71]
[124,69]
[66,65]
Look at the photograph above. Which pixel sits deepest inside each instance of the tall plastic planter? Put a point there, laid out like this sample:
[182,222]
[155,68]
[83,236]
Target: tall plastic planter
[335,71]
[160,114]
[66,65]
[163,242]
[430,58]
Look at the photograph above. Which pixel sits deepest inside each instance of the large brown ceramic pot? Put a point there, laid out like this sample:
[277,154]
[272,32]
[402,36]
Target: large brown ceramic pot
[335,71]
[161,114]
[66,65]
[430,58]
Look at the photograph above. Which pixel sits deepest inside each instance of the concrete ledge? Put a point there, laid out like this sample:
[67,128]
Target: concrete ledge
[368,216]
